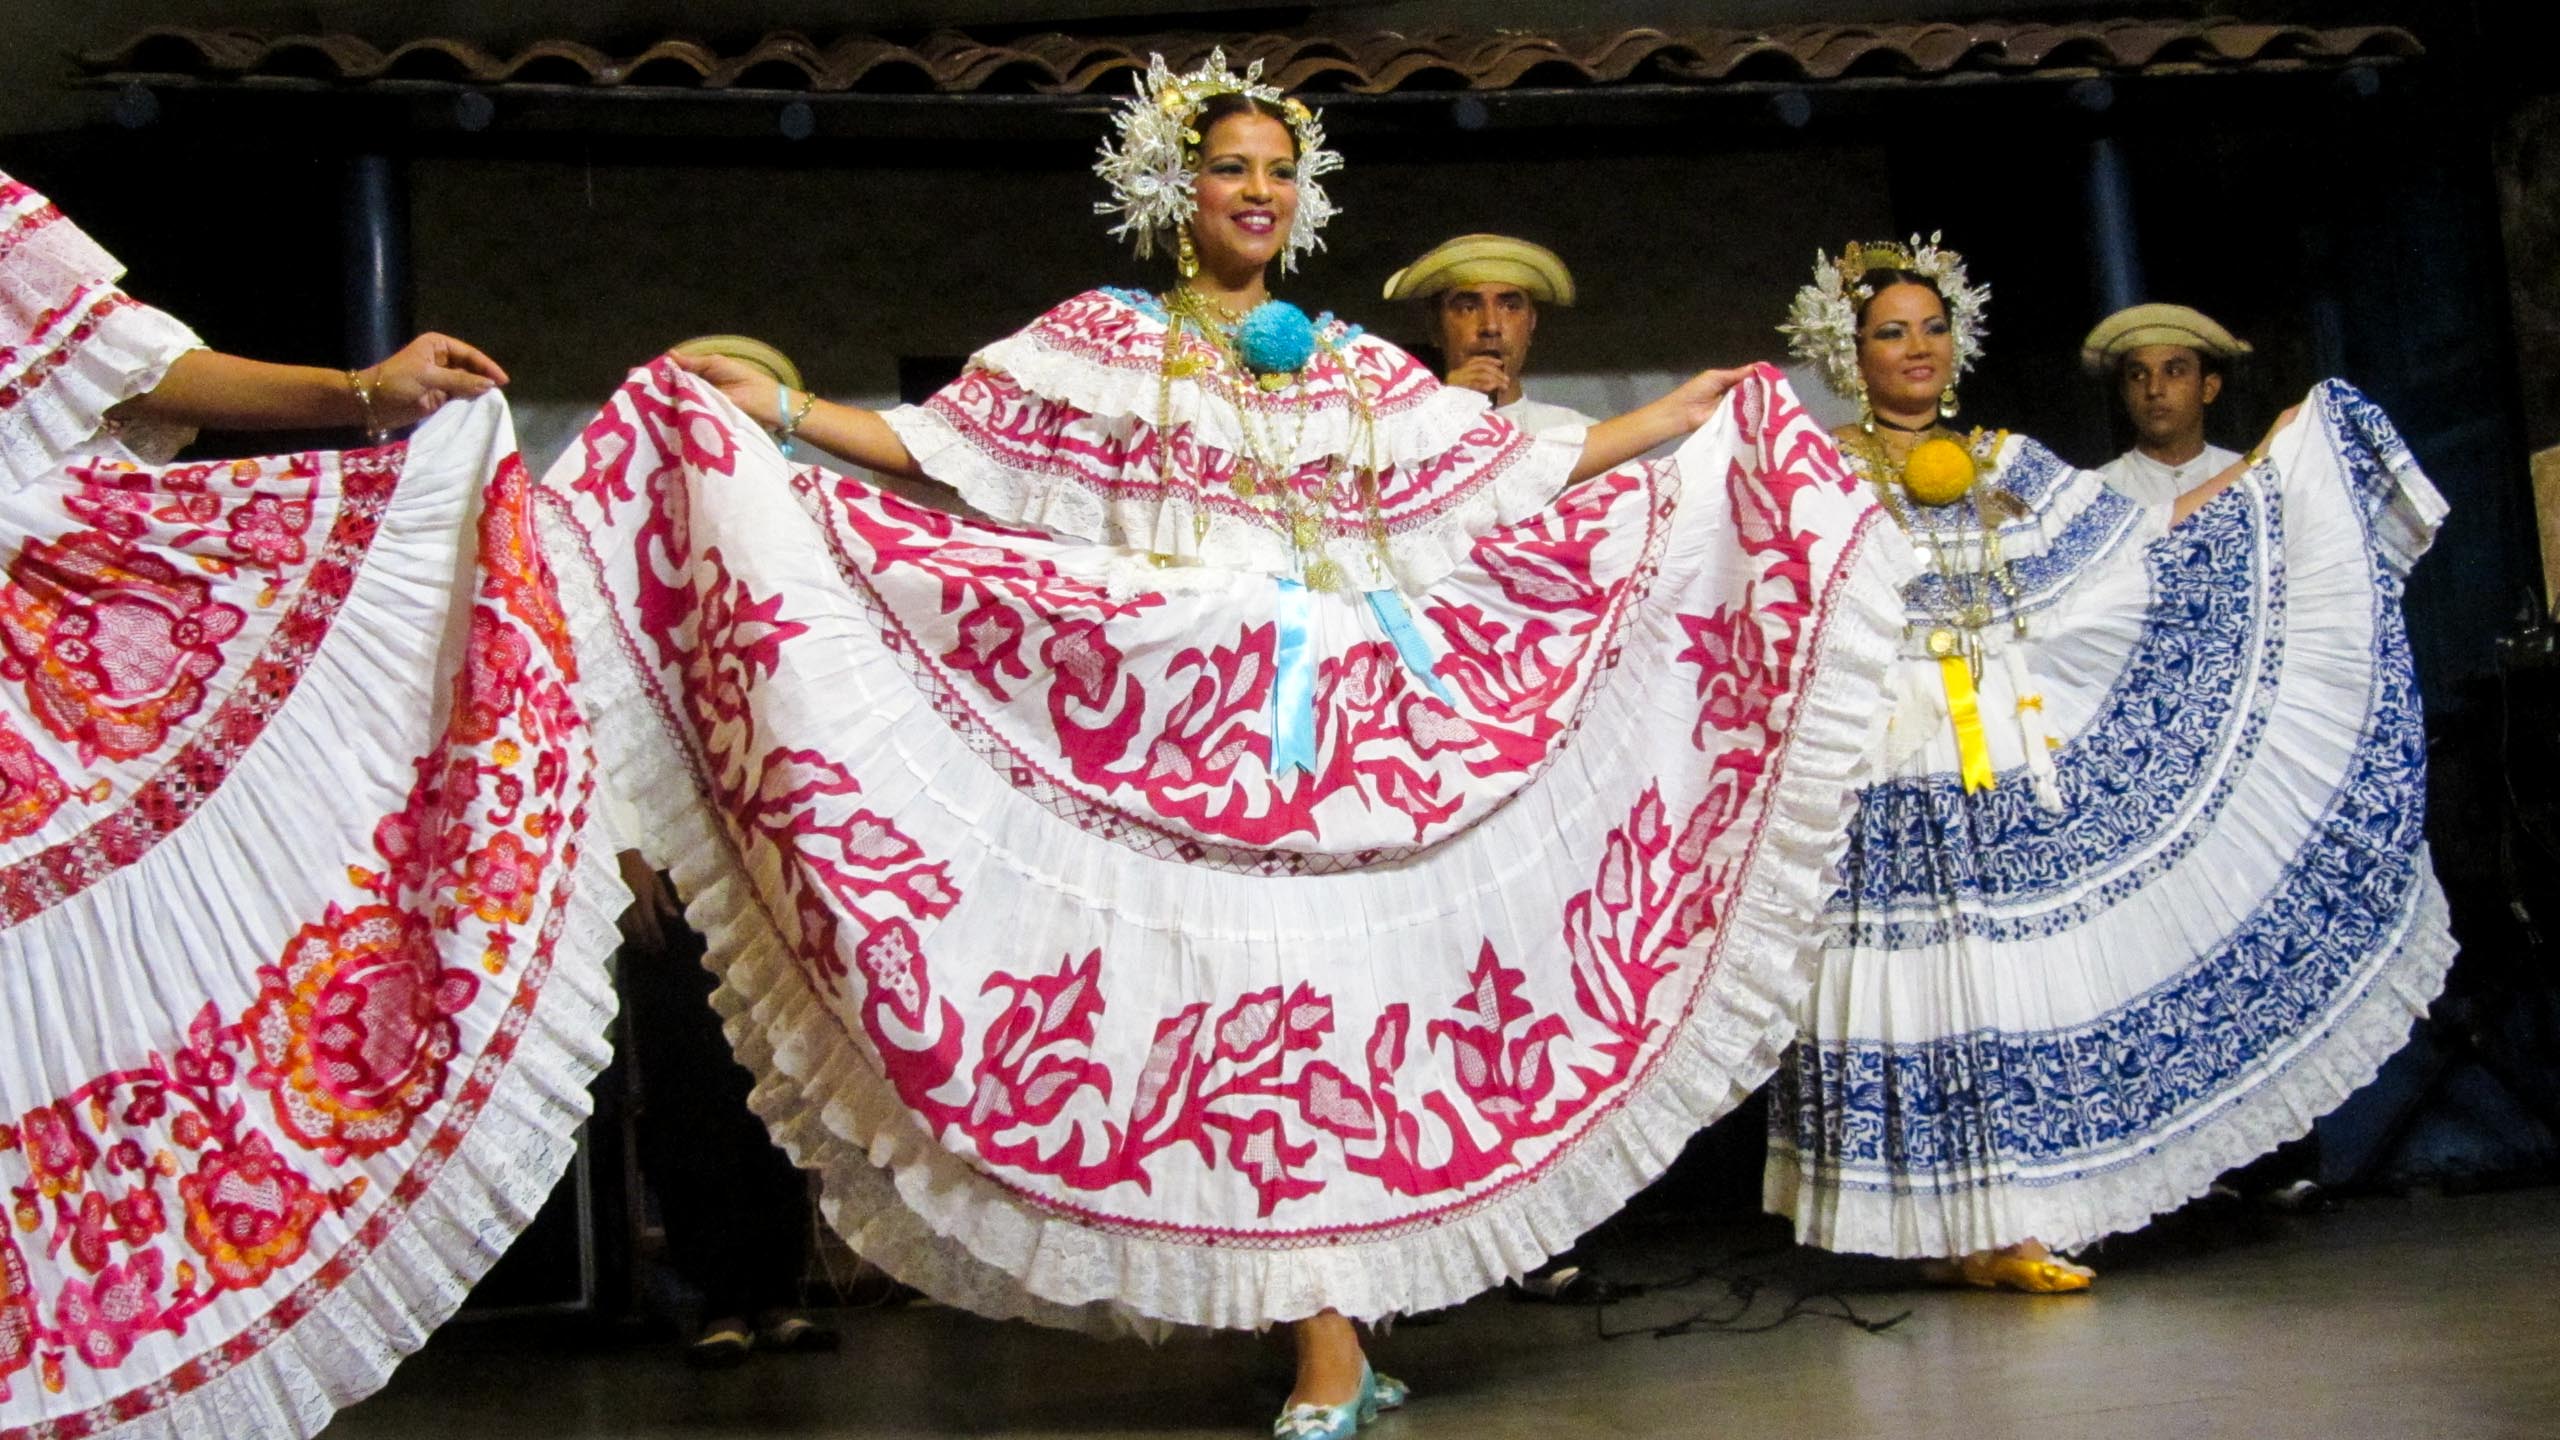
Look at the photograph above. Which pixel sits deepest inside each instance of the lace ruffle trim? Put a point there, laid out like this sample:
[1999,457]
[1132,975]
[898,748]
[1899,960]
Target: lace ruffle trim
[64,388]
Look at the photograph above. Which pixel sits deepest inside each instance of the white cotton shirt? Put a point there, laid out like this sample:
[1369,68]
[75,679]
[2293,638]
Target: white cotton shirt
[1537,416]
[2140,478]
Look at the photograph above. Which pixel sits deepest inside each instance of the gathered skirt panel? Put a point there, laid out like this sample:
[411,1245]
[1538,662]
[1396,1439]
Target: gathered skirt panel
[1083,1008]
[301,948]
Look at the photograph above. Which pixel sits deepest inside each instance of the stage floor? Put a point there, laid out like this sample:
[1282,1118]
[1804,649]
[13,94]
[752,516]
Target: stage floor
[2423,1317]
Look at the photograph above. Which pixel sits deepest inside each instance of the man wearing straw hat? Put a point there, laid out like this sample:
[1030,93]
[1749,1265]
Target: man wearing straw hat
[2167,362]
[1481,295]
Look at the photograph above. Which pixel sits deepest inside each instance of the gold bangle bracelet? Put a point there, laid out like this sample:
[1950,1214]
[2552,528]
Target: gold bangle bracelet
[373,427]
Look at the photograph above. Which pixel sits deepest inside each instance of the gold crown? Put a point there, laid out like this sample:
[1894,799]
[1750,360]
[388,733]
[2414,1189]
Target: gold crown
[1861,256]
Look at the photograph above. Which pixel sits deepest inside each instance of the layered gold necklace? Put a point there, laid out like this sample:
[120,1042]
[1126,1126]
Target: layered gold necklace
[1942,472]
[1267,466]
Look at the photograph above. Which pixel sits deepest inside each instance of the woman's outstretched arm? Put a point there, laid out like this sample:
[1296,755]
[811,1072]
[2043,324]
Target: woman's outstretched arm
[2194,500]
[847,432]
[1612,443]
[207,388]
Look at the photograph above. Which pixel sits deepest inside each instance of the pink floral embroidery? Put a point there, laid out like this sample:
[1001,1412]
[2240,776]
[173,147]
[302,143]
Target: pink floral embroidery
[267,531]
[494,661]
[249,1212]
[101,1319]
[59,1152]
[18,1326]
[31,790]
[353,1029]
[181,781]
[501,880]
[114,644]
[158,1188]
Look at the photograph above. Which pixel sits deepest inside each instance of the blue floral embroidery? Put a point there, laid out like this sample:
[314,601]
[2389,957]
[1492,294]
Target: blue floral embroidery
[2375,452]
[1933,1115]
[2171,723]
[1955,1112]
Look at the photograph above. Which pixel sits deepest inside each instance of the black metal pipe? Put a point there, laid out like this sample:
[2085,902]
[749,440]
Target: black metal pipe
[377,258]
[2115,245]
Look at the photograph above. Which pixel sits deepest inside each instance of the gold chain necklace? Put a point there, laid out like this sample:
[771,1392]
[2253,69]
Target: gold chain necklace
[1956,626]
[1264,471]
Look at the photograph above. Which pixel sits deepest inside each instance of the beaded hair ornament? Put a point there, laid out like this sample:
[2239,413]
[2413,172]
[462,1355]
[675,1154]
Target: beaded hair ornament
[1152,168]
[1822,324]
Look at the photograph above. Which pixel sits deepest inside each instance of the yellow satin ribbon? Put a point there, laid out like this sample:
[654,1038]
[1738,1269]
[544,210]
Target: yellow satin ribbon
[1971,748]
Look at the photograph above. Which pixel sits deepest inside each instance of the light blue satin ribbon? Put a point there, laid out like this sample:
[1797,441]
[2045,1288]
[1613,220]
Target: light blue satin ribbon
[1293,687]
[1396,618]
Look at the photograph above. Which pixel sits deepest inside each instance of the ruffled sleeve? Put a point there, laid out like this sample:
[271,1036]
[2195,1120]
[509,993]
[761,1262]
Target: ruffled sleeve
[1076,425]
[72,345]
[2400,507]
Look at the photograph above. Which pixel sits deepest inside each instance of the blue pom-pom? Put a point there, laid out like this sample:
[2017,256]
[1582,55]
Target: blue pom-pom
[1276,339]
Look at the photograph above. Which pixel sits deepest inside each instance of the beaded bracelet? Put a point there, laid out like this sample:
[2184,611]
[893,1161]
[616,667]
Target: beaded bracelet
[790,432]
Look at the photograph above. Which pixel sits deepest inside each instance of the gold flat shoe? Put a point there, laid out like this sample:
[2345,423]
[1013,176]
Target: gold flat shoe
[2040,1276]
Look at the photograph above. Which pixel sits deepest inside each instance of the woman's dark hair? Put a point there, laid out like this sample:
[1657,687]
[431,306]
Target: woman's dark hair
[1220,107]
[1876,281]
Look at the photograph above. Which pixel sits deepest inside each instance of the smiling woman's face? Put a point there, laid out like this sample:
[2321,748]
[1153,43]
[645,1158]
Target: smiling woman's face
[1247,193]
[1906,351]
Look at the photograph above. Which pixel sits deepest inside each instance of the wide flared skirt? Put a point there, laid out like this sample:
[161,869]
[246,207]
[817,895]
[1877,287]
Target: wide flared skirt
[1086,1011]
[2054,1023]
[301,963]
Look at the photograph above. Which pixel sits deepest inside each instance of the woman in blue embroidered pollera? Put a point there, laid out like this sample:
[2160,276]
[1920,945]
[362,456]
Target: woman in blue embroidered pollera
[2143,890]
[1290,865]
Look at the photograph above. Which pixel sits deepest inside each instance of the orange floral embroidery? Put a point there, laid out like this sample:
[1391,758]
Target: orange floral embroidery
[249,1212]
[353,1029]
[30,789]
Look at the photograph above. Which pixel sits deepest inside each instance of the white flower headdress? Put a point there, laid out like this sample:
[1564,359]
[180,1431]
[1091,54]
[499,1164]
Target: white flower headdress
[1152,168]
[1822,324]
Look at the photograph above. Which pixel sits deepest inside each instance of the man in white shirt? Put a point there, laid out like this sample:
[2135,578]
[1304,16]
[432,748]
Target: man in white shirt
[1480,296]
[2167,362]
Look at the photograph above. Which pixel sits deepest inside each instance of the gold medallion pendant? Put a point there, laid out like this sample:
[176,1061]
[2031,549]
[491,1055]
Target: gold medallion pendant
[1942,643]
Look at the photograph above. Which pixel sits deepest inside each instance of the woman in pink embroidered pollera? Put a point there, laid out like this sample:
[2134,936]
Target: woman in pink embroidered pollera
[1289,864]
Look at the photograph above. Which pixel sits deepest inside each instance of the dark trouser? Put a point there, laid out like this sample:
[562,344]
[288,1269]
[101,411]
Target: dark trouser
[736,1210]
[2295,1159]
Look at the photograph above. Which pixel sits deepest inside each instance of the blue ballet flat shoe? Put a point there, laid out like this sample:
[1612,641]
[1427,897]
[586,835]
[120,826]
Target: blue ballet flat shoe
[1340,1422]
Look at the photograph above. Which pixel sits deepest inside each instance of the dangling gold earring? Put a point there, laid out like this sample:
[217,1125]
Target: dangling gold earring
[1866,408]
[1947,406]
[1185,259]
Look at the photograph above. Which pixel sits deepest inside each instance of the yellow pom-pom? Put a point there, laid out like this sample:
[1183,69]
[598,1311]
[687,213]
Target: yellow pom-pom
[1939,472]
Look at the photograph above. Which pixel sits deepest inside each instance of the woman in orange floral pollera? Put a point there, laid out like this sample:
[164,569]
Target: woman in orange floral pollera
[298,999]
